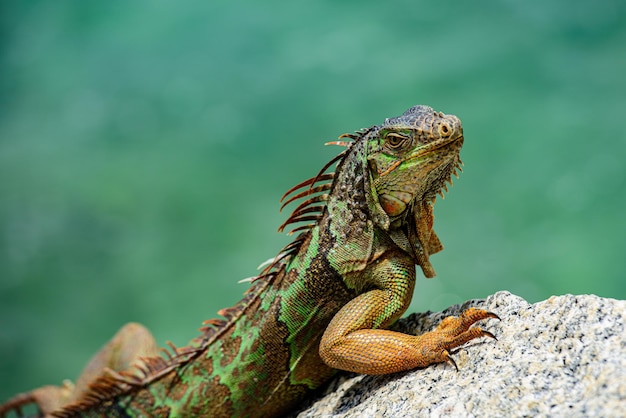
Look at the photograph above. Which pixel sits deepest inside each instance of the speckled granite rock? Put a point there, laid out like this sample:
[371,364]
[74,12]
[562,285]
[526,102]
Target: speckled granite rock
[565,356]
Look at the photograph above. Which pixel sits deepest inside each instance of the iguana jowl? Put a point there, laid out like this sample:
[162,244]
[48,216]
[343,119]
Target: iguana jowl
[322,304]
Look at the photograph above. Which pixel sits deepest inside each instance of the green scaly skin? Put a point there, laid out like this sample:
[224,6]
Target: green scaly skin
[321,305]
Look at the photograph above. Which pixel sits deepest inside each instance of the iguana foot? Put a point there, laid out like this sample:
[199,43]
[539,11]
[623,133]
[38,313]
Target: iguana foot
[132,342]
[453,332]
[379,351]
[47,399]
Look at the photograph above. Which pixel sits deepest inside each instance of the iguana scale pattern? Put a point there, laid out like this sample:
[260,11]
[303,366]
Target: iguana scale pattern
[322,305]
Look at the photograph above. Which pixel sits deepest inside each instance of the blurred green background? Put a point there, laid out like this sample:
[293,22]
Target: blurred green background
[144,146]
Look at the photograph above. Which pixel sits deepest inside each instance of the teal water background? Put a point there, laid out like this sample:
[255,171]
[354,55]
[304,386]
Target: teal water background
[144,147]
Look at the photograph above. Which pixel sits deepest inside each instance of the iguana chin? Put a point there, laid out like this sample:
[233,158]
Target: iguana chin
[323,304]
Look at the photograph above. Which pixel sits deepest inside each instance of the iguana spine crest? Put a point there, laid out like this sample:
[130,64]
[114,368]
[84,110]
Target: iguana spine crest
[147,370]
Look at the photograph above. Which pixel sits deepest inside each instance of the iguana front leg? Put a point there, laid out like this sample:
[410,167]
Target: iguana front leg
[353,341]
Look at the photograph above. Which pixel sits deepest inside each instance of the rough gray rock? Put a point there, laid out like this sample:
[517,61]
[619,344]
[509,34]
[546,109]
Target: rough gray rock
[565,356]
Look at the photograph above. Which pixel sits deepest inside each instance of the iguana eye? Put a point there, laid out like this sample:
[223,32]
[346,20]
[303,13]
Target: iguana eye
[395,140]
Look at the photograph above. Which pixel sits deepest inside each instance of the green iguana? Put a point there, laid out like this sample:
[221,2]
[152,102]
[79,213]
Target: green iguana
[321,305]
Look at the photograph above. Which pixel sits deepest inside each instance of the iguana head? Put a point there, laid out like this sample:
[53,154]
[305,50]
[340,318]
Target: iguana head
[388,178]
[410,159]
[412,156]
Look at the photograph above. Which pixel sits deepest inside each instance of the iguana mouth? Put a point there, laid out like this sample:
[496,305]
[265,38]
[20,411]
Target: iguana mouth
[432,146]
